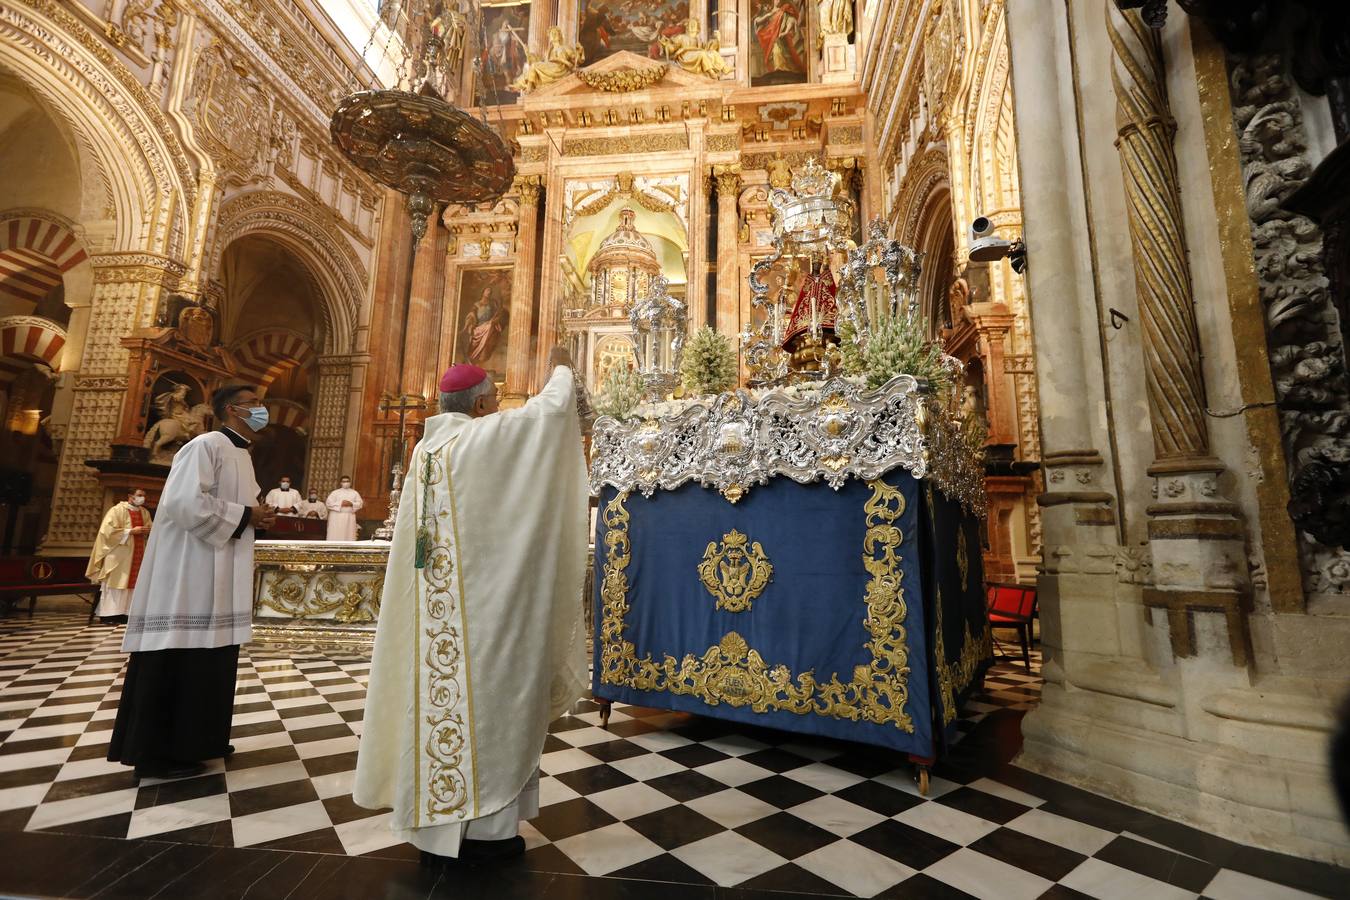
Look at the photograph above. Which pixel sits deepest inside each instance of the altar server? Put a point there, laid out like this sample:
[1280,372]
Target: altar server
[193,602]
[284,498]
[480,642]
[342,506]
[116,559]
[312,508]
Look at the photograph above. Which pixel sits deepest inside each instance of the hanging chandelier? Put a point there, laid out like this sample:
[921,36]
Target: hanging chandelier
[408,136]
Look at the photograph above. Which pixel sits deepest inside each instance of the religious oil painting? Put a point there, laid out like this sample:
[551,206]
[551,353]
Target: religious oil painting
[608,26]
[777,42]
[502,59]
[484,309]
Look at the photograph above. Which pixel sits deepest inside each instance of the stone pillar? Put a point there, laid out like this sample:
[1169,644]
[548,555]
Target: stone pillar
[522,288]
[121,297]
[728,182]
[992,323]
[421,331]
[1198,541]
[1079,615]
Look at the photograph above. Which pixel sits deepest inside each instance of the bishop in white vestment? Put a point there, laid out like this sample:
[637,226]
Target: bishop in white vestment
[193,603]
[342,506]
[481,641]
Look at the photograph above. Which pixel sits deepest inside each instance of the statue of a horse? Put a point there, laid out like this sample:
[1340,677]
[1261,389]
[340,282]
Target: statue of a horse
[168,434]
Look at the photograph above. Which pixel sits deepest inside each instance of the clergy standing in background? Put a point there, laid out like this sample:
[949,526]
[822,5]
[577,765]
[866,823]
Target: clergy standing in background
[480,642]
[193,604]
[312,508]
[342,506]
[284,499]
[116,560]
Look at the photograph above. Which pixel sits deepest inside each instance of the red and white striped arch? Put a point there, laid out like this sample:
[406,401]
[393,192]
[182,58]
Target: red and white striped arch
[25,340]
[34,255]
[266,354]
[287,413]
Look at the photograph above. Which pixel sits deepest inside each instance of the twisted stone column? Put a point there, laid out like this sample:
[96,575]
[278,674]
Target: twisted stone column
[1196,537]
[1176,391]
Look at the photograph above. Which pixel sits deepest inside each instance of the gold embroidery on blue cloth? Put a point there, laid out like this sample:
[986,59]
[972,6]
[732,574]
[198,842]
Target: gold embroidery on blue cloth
[955,677]
[962,560]
[735,572]
[731,672]
[442,655]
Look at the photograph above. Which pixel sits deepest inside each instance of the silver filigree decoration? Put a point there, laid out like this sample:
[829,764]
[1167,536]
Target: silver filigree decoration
[841,431]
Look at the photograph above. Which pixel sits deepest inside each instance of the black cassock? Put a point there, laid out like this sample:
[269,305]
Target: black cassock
[176,706]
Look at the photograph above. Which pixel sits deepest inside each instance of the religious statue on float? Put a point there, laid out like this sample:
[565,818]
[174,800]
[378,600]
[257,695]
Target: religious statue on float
[692,55]
[559,61]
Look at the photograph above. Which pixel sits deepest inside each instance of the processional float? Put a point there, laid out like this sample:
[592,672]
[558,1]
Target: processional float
[803,554]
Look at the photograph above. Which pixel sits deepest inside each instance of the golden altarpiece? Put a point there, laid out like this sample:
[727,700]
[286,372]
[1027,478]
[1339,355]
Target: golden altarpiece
[680,144]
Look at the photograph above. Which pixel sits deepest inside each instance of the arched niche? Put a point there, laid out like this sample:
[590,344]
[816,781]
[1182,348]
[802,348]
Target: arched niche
[272,316]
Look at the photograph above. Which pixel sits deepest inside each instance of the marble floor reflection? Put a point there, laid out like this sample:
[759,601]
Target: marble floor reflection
[660,805]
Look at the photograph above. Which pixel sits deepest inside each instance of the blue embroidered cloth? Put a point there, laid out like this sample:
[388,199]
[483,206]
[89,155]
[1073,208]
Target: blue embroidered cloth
[799,608]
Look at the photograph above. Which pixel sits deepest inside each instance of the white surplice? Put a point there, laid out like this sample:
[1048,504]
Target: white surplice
[279,499]
[195,587]
[317,508]
[342,520]
[480,648]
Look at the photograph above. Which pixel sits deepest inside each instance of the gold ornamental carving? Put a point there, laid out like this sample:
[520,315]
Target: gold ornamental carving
[529,187]
[624,80]
[732,672]
[728,179]
[598,146]
[735,572]
[558,61]
[718,143]
[309,595]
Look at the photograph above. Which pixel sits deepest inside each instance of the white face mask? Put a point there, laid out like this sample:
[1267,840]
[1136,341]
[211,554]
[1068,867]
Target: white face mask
[285,485]
[346,485]
[138,501]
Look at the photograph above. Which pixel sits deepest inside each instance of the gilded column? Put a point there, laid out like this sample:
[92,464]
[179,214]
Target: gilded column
[1197,538]
[522,288]
[728,182]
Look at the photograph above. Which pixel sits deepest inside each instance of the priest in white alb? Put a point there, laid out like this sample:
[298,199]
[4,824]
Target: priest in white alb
[343,504]
[481,641]
[193,603]
[115,561]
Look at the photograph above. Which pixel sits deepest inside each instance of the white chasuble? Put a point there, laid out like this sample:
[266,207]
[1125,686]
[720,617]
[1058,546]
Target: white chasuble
[480,641]
[195,587]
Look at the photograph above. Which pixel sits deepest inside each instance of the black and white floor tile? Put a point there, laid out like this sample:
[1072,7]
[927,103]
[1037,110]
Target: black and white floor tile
[659,805]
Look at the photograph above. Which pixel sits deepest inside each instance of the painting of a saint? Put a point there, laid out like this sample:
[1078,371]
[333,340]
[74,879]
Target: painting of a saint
[777,43]
[484,313]
[608,26]
[502,59]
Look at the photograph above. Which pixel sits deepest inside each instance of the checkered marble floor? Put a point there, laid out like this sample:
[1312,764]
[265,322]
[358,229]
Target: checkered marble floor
[659,805]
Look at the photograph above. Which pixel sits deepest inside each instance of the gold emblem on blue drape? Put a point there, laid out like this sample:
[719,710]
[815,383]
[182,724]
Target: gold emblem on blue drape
[735,572]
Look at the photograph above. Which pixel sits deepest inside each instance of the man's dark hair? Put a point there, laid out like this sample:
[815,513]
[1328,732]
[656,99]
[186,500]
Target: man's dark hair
[345,478]
[223,397]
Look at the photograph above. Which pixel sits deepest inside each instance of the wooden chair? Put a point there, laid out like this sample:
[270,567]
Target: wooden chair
[1014,606]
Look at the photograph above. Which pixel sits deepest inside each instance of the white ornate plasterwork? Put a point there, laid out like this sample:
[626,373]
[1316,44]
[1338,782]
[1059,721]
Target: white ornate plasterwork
[147,175]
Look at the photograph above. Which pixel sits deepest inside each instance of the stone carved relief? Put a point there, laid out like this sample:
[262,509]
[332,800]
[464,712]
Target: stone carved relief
[1301,328]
